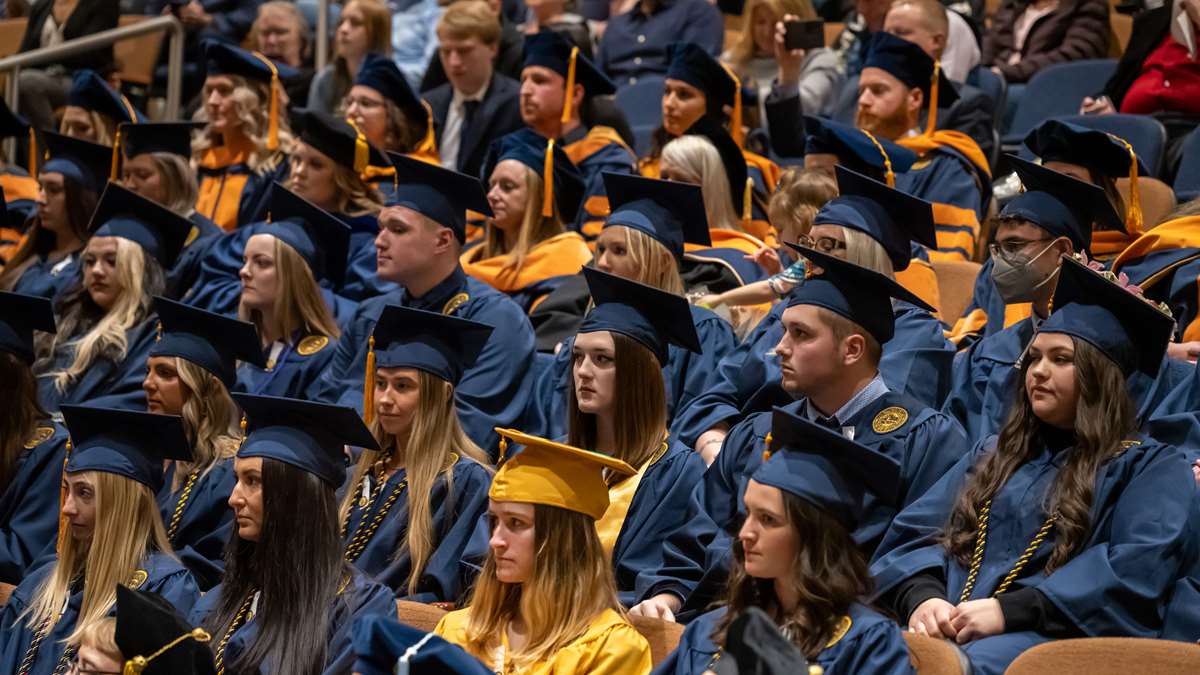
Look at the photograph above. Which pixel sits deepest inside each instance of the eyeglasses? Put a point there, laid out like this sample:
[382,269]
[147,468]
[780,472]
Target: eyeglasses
[78,669]
[828,244]
[362,103]
[1013,247]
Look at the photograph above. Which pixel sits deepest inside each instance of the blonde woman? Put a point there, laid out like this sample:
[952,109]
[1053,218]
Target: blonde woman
[246,137]
[526,251]
[110,533]
[189,372]
[410,511]
[364,27]
[545,601]
[106,321]
[283,262]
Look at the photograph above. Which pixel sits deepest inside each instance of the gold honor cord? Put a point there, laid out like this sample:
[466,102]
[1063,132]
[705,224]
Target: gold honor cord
[981,544]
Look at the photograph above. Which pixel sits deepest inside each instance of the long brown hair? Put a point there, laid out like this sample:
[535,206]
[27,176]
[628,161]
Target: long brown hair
[20,417]
[299,303]
[210,418]
[639,405]
[80,203]
[1104,416]
[828,574]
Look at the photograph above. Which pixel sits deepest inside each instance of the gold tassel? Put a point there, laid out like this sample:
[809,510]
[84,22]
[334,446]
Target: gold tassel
[242,427]
[33,154]
[369,383]
[735,121]
[767,447]
[273,123]
[747,201]
[933,99]
[1133,212]
[569,94]
[137,664]
[503,450]
[428,144]
[888,174]
[548,181]
[362,150]
[62,499]
[158,336]
[116,155]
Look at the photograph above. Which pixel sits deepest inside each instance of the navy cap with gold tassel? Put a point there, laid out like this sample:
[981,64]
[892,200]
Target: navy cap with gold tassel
[156,639]
[562,184]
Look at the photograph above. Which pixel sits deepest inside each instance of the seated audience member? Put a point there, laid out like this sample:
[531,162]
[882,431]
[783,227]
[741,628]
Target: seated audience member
[546,557]
[421,236]
[635,43]
[147,636]
[106,319]
[46,261]
[281,33]
[94,110]
[226,21]
[387,111]
[50,23]
[414,37]
[506,60]
[1027,36]
[363,28]
[110,535]
[288,598]
[551,16]
[961,46]
[551,63]
[966,561]
[246,138]
[157,166]
[33,444]
[19,184]
[478,104]
[425,548]
[533,191]
[796,560]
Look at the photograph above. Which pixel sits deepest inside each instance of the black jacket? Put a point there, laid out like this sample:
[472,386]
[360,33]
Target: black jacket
[499,113]
[90,16]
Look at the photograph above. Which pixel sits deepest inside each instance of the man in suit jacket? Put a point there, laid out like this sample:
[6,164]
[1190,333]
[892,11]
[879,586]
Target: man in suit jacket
[478,104]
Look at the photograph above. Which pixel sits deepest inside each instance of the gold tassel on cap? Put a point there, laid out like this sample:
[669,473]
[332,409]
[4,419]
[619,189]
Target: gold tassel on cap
[933,99]
[428,145]
[548,181]
[369,383]
[33,153]
[62,499]
[137,664]
[767,447]
[1133,212]
[747,201]
[888,174]
[273,122]
[362,149]
[735,121]
[569,93]
[116,155]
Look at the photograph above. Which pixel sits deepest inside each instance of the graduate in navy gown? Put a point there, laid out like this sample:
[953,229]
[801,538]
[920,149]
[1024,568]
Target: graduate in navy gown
[643,240]
[32,444]
[381,643]
[871,225]
[288,598]
[831,370]
[410,512]
[796,558]
[112,535]
[617,406]
[390,114]
[47,260]
[106,321]
[189,372]
[421,235]
[1042,533]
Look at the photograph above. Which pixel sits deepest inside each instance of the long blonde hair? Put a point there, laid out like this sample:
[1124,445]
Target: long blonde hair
[210,418]
[570,585]
[744,50]
[655,265]
[535,228]
[252,103]
[299,303]
[435,437]
[105,126]
[127,529]
[108,337]
[355,196]
[698,159]
[178,181]
[863,250]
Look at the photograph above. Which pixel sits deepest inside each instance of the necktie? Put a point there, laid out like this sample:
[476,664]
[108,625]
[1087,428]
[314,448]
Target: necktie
[829,423]
[470,108]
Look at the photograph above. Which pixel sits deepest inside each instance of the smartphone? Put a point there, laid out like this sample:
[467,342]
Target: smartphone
[804,34]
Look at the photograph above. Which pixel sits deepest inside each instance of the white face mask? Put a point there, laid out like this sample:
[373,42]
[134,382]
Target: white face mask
[1014,278]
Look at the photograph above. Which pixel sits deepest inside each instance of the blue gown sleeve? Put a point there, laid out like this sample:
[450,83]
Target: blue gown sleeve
[338,376]
[449,572]
[492,393]
[689,375]
[879,650]
[683,556]
[30,507]
[362,598]
[179,589]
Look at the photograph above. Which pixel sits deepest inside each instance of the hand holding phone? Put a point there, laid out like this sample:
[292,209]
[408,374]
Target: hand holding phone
[804,34]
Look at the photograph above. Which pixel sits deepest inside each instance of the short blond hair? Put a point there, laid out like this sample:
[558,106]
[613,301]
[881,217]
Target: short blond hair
[801,193]
[469,18]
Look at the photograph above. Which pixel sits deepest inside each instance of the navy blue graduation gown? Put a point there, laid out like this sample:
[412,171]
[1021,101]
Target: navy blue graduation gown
[29,505]
[360,597]
[1116,585]
[686,375]
[104,383]
[872,645]
[160,573]
[916,360]
[200,535]
[49,279]
[187,267]
[460,545]
[297,368]
[492,393]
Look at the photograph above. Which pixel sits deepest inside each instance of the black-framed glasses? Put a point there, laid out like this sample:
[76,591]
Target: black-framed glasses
[78,669]
[828,244]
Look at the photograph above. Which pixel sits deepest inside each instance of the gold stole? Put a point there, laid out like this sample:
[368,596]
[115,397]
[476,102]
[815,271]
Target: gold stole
[620,496]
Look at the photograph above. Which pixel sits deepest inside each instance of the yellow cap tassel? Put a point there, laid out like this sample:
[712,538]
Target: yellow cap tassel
[888,174]
[33,154]
[747,201]
[933,99]
[428,145]
[548,181]
[369,383]
[62,499]
[242,427]
[116,156]
[1133,211]
[137,664]
[158,336]
[569,93]
[273,123]
[735,121]
[362,149]
[503,450]
[767,447]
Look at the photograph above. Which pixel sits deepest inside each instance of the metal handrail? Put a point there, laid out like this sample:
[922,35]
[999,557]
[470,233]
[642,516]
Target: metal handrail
[322,35]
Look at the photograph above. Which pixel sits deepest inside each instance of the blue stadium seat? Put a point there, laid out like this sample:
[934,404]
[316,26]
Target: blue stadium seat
[642,105]
[1146,134]
[994,87]
[1187,181]
[1057,91]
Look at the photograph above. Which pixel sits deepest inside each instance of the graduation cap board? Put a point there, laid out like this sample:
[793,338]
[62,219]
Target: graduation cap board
[212,341]
[893,218]
[549,49]
[741,186]
[910,64]
[318,236]
[158,230]
[127,443]
[13,125]
[381,74]
[92,93]
[88,164]
[861,295]
[442,195]
[689,62]
[652,317]
[20,316]
[173,138]
[221,58]
[338,139]
[441,345]
[562,184]
[554,474]
[857,149]
[1060,204]
[669,212]
[155,639]
[384,646]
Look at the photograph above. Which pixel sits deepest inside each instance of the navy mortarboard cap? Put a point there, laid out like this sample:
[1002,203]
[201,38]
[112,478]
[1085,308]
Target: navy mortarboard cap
[127,443]
[911,65]
[338,139]
[221,58]
[170,137]
[755,646]
[306,435]
[384,646]
[643,313]
[887,215]
[1095,307]
[1104,153]
[86,163]
[857,149]
[825,468]
[670,212]
[549,49]
[439,194]
[13,125]
[20,315]
[562,184]
[90,92]
[732,159]
[1060,204]
[158,230]
[441,345]
[381,74]
[317,235]
[691,63]
[859,294]
[212,341]
[155,639]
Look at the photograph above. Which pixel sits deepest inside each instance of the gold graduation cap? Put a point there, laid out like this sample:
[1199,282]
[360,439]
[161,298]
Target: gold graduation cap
[555,474]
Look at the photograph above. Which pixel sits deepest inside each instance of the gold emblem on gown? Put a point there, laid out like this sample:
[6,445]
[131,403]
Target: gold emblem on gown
[889,419]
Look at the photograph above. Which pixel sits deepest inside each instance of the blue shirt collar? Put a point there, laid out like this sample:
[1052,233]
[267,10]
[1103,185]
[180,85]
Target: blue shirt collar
[865,397]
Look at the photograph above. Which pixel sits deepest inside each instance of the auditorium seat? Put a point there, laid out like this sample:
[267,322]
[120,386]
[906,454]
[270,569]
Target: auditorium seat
[956,285]
[419,615]
[5,591]
[663,636]
[1109,656]
[1055,91]
[931,656]
[11,32]
[1187,180]
[137,56]
[1158,199]
[642,105]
